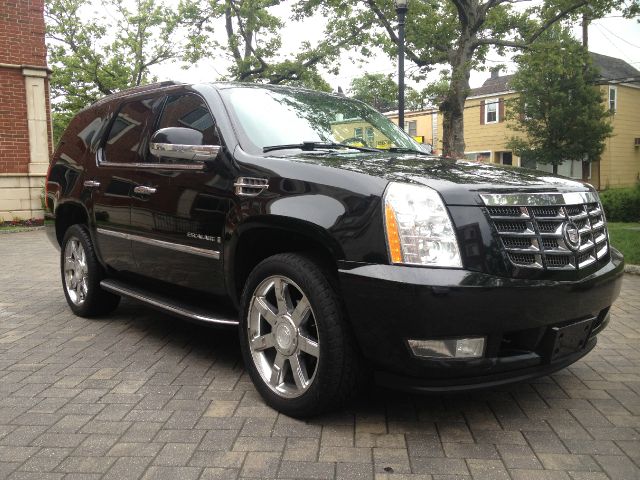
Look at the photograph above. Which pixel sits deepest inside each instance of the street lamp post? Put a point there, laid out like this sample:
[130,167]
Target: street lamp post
[401,9]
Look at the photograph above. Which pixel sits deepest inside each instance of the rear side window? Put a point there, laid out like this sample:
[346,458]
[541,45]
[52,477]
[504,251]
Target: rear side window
[128,138]
[189,111]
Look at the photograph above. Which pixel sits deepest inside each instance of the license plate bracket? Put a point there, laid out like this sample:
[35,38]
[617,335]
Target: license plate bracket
[562,341]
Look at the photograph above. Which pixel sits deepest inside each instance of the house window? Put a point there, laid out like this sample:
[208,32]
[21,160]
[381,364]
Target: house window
[484,157]
[506,158]
[491,111]
[613,99]
[357,132]
[411,128]
[569,168]
[370,136]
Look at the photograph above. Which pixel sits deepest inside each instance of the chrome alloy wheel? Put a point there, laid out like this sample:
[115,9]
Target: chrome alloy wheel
[283,336]
[76,271]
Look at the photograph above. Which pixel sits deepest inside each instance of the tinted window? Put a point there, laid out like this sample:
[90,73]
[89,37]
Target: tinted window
[190,111]
[128,137]
[267,117]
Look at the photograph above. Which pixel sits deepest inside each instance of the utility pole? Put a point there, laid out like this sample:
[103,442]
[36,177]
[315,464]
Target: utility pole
[585,31]
[401,10]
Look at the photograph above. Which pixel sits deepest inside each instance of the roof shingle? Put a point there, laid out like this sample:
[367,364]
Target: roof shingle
[610,68]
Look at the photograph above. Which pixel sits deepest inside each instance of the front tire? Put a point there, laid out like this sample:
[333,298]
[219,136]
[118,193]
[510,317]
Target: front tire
[295,341]
[81,275]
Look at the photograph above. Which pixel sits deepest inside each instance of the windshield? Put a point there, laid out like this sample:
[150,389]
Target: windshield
[270,117]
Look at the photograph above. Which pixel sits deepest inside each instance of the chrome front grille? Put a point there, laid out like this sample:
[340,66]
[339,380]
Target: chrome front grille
[534,229]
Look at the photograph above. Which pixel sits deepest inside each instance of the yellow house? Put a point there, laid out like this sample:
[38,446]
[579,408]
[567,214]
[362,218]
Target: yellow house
[487,133]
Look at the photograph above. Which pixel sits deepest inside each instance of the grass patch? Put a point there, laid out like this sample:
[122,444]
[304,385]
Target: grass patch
[626,238]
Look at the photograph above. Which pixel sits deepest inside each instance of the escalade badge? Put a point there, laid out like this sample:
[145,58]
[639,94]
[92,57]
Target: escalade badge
[571,235]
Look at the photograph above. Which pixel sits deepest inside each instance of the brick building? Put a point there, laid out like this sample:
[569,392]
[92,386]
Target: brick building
[25,121]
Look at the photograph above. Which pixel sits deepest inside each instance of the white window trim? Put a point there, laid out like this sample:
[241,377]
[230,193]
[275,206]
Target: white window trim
[491,101]
[615,98]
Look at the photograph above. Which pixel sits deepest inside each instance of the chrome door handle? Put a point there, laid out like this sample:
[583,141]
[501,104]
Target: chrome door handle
[144,190]
[91,184]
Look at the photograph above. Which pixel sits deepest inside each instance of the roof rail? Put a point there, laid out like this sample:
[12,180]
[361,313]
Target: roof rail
[138,89]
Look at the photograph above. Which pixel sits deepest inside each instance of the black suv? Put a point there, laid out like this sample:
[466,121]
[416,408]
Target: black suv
[334,242]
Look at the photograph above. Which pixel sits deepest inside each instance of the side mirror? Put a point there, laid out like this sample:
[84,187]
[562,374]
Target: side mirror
[182,144]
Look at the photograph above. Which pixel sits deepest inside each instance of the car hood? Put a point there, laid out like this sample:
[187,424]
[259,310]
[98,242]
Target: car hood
[458,181]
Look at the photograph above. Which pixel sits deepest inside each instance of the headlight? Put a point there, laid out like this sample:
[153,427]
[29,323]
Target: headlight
[419,230]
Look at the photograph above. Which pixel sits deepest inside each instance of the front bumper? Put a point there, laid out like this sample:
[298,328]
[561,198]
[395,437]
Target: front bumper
[388,305]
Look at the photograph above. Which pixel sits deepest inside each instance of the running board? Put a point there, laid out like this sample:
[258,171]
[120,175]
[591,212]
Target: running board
[166,304]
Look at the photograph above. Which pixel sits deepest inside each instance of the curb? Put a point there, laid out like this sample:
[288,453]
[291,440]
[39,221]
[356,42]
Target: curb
[21,230]
[633,269]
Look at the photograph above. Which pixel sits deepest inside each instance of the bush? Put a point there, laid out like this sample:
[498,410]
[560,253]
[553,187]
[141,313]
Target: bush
[622,204]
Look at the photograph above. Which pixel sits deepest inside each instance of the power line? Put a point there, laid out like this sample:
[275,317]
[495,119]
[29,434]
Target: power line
[614,45]
[619,37]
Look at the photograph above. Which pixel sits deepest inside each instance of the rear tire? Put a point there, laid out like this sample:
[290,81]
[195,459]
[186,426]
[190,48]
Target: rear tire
[81,275]
[295,341]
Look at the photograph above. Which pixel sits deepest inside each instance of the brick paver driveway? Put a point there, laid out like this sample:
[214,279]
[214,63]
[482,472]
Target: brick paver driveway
[141,394]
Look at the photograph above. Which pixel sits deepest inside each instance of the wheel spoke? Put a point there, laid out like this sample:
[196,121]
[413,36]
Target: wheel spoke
[299,371]
[82,261]
[283,297]
[277,371]
[301,312]
[265,310]
[68,263]
[308,346]
[262,342]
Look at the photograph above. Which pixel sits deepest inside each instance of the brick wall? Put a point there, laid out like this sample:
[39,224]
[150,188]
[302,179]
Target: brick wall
[22,32]
[14,133]
[21,43]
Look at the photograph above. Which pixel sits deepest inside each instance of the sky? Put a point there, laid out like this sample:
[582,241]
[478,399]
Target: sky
[614,36]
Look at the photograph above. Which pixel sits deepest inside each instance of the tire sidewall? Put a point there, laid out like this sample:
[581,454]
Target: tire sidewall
[94,273]
[327,320]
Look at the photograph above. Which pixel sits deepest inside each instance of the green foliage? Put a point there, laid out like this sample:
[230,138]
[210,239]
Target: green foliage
[381,92]
[376,89]
[95,53]
[253,42]
[626,238]
[622,204]
[559,108]
[454,33]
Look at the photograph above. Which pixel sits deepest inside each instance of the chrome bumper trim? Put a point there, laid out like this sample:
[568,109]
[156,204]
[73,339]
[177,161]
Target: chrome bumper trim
[537,199]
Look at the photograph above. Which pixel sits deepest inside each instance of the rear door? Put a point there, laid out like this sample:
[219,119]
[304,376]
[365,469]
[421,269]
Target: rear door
[118,159]
[181,209]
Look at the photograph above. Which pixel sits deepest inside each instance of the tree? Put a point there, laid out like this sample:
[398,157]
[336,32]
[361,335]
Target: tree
[559,110]
[381,92]
[376,89]
[253,42]
[96,54]
[457,33]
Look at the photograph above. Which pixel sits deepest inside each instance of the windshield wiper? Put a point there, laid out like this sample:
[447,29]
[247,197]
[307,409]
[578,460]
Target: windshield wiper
[408,150]
[308,146]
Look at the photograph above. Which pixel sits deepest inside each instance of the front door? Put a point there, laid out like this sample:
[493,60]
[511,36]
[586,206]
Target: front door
[180,209]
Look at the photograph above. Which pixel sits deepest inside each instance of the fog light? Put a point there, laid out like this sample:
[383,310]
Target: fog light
[452,348]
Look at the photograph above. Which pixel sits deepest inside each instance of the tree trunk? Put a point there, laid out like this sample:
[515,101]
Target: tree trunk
[452,107]
[555,168]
